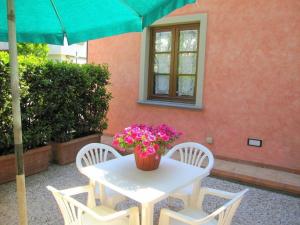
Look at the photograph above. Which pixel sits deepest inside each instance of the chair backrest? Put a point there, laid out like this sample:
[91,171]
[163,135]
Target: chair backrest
[194,154]
[227,211]
[94,153]
[71,209]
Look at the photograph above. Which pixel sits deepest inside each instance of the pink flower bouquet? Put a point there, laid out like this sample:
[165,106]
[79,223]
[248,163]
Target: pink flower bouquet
[146,140]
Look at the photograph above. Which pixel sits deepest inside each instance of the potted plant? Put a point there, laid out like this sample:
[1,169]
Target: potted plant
[36,148]
[35,132]
[147,143]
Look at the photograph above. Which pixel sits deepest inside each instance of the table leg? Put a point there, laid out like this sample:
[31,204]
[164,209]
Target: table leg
[147,214]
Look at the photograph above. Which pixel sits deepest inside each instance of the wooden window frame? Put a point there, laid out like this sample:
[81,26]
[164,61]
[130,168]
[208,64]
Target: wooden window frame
[175,30]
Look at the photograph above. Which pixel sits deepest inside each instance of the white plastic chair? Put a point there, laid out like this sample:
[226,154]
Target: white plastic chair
[196,215]
[193,154]
[76,213]
[92,154]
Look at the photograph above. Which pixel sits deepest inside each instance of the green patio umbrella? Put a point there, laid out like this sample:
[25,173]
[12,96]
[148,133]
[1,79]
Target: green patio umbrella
[50,21]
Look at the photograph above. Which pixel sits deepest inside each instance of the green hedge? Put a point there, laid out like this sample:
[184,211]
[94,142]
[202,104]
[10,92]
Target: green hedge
[34,134]
[5,110]
[59,101]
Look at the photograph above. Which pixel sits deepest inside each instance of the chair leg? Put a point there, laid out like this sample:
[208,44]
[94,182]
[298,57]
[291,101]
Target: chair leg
[169,202]
[186,201]
[113,200]
[134,218]
[163,219]
[110,203]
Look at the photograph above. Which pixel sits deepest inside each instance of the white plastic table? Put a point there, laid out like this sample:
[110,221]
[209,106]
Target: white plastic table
[146,187]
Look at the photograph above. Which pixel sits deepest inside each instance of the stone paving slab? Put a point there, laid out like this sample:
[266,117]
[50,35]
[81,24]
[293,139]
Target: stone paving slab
[259,207]
[264,177]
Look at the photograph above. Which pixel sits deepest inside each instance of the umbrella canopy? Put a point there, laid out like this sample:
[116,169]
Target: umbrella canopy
[50,21]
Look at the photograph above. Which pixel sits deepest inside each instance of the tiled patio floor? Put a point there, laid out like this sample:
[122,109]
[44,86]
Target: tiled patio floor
[259,207]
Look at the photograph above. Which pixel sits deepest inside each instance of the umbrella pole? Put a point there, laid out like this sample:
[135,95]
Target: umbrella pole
[15,89]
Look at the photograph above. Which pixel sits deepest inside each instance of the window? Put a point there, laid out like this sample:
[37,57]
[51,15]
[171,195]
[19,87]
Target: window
[172,62]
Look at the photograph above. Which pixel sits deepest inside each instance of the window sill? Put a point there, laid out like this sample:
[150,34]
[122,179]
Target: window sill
[170,104]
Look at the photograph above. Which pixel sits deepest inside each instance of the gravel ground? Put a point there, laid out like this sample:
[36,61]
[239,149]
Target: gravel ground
[259,207]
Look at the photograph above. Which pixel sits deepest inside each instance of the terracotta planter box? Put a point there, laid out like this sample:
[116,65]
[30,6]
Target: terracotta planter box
[35,161]
[65,153]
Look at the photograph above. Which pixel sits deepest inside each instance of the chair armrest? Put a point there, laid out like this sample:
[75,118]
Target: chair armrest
[89,189]
[113,216]
[218,193]
[189,220]
[178,216]
[76,190]
[116,215]
[222,194]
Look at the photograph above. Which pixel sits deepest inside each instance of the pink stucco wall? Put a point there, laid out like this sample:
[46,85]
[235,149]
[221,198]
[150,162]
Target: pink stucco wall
[251,84]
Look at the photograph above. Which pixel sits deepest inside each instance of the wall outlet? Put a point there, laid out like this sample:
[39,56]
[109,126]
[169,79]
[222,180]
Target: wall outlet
[209,140]
[254,142]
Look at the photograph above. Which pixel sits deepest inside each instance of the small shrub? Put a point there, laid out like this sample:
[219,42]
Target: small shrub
[35,134]
[59,101]
[76,99]
[36,131]
[6,129]
[94,99]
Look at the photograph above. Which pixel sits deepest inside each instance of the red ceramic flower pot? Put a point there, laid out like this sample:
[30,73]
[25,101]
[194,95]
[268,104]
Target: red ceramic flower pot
[148,163]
